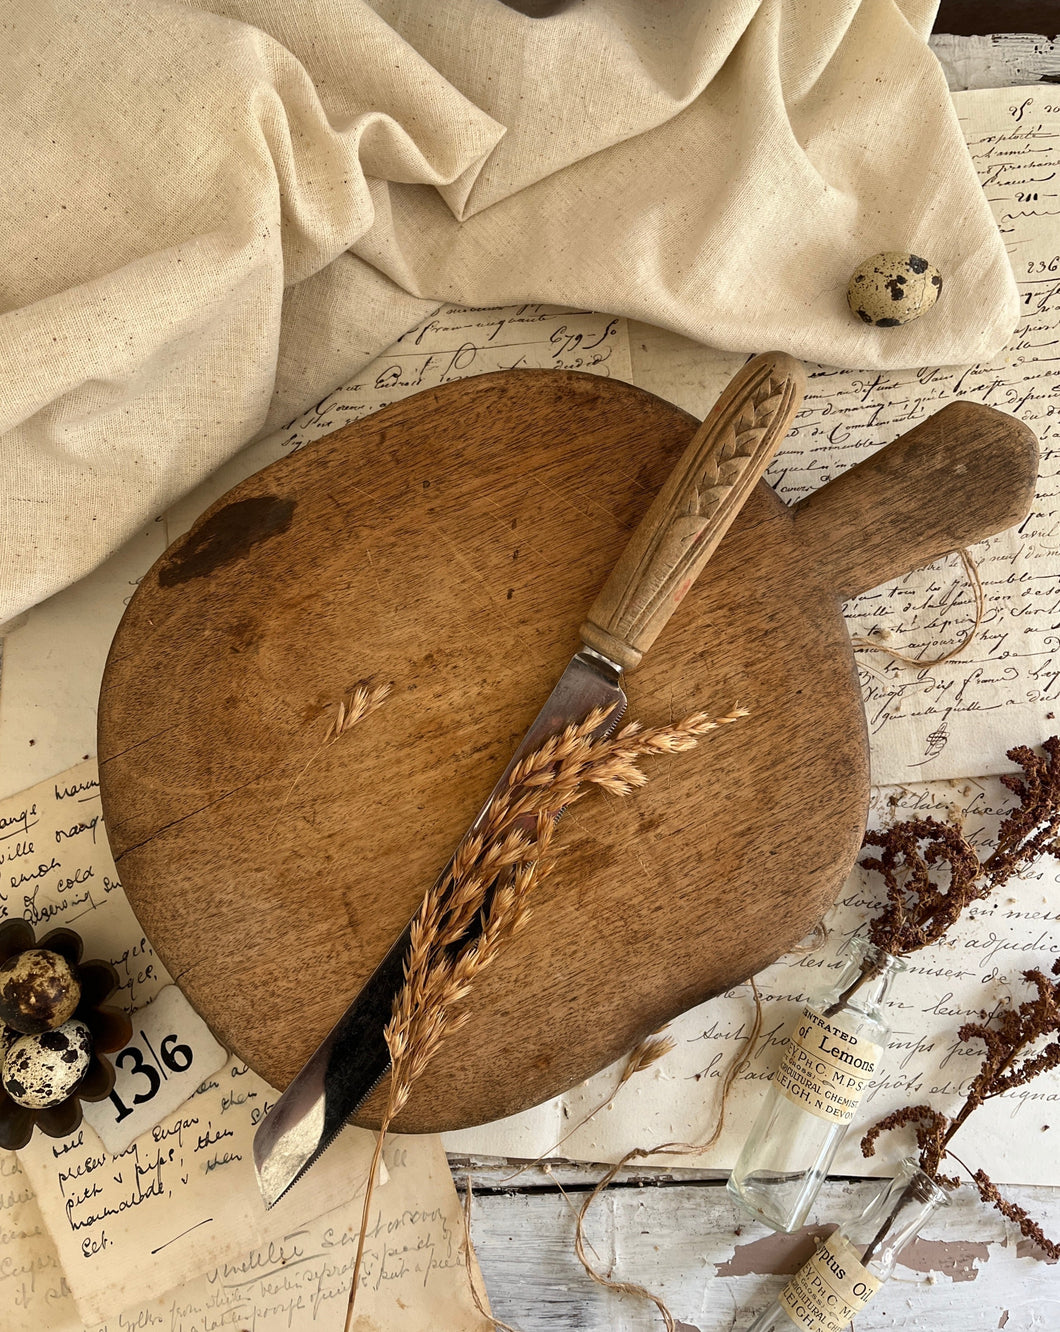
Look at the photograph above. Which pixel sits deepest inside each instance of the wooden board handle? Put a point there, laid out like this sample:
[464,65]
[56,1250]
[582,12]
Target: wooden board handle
[963,474]
[690,515]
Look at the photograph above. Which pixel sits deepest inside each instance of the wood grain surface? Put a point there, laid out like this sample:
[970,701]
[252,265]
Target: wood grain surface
[451,544]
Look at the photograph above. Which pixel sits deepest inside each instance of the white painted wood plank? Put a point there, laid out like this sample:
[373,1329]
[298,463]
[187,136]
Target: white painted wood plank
[1007,60]
[690,1243]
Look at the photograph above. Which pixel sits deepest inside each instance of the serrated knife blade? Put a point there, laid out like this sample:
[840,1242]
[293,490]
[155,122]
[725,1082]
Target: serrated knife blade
[680,531]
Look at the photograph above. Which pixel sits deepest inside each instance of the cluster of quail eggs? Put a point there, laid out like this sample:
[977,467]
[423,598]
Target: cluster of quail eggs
[46,1051]
[55,1027]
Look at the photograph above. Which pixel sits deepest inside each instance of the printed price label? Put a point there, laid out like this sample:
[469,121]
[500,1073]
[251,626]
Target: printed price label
[827,1291]
[171,1053]
[826,1068]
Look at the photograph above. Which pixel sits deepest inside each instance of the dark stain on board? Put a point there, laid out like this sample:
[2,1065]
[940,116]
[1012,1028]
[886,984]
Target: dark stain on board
[229,535]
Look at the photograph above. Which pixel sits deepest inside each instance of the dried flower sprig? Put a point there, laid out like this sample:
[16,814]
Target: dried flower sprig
[919,910]
[1031,829]
[482,899]
[915,853]
[653,1048]
[1014,1055]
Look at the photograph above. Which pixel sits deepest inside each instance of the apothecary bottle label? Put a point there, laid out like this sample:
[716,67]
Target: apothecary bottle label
[826,1067]
[829,1290]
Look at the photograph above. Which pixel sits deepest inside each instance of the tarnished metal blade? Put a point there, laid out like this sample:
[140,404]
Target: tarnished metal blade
[340,1075]
[353,1058]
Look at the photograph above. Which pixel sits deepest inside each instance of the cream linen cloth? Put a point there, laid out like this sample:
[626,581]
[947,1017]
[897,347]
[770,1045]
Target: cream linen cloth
[213,216]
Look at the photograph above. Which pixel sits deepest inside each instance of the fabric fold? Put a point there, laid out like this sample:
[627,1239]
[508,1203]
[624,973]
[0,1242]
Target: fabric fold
[213,215]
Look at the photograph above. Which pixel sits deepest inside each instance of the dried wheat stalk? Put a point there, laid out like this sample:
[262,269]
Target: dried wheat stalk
[354,707]
[643,1056]
[482,900]
[494,870]
[357,704]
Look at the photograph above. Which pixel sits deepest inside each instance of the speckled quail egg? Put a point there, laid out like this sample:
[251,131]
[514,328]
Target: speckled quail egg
[38,991]
[8,1035]
[893,288]
[43,1070]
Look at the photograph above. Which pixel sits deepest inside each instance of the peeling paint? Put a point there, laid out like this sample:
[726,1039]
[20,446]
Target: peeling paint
[1003,1319]
[1026,1248]
[774,1255]
[953,1258]
[685,1327]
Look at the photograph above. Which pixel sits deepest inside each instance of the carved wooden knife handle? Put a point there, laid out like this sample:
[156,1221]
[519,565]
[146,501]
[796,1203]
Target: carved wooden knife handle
[693,511]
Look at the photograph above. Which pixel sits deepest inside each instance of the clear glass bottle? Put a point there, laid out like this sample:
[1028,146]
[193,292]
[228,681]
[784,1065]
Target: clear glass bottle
[832,1052]
[852,1264]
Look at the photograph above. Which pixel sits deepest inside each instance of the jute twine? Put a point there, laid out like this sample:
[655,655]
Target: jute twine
[637,1061]
[874,644]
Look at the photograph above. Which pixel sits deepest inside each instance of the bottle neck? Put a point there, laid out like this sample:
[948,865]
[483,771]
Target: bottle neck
[866,980]
[895,1216]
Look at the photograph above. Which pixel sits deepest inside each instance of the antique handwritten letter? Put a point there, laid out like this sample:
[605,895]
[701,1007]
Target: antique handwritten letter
[33,1291]
[958,717]
[413,1274]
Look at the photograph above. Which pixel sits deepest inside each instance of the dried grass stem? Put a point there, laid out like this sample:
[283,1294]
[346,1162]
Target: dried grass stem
[483,897]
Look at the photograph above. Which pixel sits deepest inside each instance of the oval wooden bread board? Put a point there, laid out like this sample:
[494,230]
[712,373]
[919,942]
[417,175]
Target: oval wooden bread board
[450,545]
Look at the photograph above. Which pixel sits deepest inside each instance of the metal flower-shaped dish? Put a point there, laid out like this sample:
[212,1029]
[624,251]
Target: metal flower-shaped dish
[109,1029]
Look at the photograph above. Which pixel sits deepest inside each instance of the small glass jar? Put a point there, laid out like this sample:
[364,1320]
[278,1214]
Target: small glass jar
[832,1052]
[851,1265]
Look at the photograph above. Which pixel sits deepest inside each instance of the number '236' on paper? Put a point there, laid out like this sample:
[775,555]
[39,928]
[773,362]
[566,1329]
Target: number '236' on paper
[172,1051]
